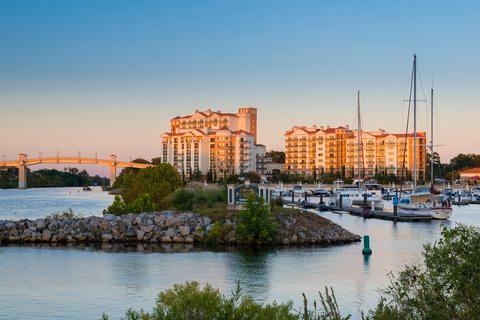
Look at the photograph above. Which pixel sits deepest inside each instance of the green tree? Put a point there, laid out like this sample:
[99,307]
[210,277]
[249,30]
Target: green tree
[446,287]
[155,161]
[143,203]
[255,224]
[157,181]
[117,207]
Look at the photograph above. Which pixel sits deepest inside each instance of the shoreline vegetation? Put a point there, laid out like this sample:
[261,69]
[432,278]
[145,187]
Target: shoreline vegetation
[444,286]
[46,178]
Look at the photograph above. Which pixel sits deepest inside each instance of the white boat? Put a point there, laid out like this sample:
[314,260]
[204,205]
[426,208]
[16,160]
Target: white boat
[298,190]
[422,201]
[355,196]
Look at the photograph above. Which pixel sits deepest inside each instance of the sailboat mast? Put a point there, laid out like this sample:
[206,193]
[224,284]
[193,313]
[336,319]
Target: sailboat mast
[414,122]
[359,138]
[431,136]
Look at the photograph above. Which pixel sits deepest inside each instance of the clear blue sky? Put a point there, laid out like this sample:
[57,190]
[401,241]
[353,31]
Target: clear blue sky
[106,76]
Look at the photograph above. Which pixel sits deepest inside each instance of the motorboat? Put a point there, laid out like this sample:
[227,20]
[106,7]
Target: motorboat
[321,192]
[298,190]
[355,196]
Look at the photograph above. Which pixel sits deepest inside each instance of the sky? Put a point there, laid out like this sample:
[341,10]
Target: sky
[107,76]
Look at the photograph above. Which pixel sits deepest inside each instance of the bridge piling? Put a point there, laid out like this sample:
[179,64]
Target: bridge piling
[113,169]
[22,171]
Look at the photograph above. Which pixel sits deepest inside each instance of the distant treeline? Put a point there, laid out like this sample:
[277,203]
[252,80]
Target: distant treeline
[69,177]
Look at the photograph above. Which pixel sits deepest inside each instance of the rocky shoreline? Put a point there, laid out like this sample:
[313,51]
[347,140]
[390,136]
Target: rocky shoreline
[165,227]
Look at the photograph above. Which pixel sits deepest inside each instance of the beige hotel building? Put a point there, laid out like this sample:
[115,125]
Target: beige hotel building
[222,143]
[336,149]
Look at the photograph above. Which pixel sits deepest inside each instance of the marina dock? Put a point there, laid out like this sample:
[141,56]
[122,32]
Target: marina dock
[361,212]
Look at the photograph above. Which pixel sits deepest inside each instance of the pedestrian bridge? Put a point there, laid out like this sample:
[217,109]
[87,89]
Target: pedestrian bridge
[23,161]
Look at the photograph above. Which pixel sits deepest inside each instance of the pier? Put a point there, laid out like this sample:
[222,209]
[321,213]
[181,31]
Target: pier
[366,213]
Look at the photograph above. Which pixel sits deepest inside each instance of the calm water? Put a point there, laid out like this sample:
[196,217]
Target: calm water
[81,283]
[38,202]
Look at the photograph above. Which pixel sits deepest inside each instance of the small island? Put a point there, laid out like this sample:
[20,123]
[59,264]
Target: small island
[155,206]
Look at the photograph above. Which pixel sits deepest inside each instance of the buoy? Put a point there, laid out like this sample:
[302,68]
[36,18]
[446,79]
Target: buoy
[366,246]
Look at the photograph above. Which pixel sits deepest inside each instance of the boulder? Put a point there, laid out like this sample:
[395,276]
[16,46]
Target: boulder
[46,235]
[170,232]
[171,221]
[140,235]
[177,239]
[184,230]
[166,239]
[40,224]
[106,237]
[294,239]
[160,219]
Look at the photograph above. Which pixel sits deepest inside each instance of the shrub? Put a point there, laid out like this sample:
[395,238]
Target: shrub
[183,199]
[215,234]
[191,302]
[117,207]
[66,215]
[145,189]
[446,287]
[141,204]
[255,224]
[277,202]
[158,181]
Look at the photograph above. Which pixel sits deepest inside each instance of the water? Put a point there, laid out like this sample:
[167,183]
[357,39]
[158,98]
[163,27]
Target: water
[39,202]
[82,282]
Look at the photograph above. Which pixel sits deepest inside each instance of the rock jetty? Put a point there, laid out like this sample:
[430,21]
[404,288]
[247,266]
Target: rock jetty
[164,227]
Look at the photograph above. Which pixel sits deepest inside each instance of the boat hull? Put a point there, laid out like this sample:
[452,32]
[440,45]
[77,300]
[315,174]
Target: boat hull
[441,213]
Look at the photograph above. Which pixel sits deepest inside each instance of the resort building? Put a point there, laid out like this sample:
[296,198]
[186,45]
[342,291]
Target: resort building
[213,141]
[471,175]
[317,150]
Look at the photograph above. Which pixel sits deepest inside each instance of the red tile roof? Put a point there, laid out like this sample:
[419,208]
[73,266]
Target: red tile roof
[471,171]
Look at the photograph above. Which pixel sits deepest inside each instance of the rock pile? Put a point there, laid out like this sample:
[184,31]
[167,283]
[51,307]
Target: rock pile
[145,227]
[166,227]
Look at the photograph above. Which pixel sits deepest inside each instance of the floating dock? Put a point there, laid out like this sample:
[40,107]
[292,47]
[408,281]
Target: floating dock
[364,213]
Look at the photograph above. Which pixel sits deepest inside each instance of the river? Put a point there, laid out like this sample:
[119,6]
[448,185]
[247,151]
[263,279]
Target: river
[83,282]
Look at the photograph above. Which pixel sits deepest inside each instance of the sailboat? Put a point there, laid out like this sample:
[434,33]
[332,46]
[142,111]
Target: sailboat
[354,195]
[421,200]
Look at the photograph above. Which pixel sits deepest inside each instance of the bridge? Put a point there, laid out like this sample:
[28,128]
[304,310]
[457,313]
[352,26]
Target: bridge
[23,162]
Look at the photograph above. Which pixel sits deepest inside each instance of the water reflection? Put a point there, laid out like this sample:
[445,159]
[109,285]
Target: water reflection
[82,281]
[251,267]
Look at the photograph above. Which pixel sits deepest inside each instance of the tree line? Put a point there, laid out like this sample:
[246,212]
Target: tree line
[69,177]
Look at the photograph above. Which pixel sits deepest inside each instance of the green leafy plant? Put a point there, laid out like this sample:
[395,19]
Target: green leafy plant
[215,234]
[143,203]
[255,224]
[144,190]
[66,215]
[183,200]
[189,301]
[117,207]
